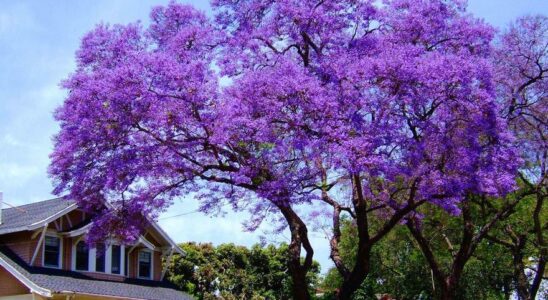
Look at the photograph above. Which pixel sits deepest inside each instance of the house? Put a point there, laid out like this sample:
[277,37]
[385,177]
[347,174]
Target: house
[43,256]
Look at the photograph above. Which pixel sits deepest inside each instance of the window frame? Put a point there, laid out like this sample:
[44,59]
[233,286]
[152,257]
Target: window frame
[151,277]
[121,258]
[105,250]
[75,257]
[92,259]
[59,256]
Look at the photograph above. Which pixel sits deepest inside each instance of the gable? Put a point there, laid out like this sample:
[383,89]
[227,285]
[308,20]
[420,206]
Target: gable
[61,215]
[34,215]
[9,285]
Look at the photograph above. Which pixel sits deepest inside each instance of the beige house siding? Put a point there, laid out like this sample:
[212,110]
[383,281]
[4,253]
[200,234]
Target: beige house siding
[9,285]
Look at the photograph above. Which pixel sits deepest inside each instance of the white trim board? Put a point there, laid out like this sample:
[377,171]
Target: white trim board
[53,217]
[34,288]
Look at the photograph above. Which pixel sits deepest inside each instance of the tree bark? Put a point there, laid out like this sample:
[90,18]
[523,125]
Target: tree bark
[540,242]
[447,293]
[522,283]
[299,239]
[300,287]
[352,279]
[355,279]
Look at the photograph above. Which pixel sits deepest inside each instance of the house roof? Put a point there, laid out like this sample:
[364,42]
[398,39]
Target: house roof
[34,215]
[46,281]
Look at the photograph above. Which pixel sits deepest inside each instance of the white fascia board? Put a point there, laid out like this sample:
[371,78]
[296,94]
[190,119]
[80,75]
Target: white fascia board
[77,232]
[147,243]
[52,217]
[159,230]
[34,288]
[166,237]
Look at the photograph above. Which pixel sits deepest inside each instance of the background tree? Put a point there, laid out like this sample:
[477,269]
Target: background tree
[518,239]
[521,64]
[448,271]
[236,272]
[400,270]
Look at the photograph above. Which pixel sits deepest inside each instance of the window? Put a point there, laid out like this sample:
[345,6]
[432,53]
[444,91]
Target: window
[82,256]
[145,264]
[52,251]
[100,257]
[116,259]
[103,258]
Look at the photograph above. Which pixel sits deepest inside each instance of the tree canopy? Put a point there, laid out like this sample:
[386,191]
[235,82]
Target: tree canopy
[235,272]
[296,110]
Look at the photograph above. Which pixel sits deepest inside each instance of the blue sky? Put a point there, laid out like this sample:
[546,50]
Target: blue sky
[37,44]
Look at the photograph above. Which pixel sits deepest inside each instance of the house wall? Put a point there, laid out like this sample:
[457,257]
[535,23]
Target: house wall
[67,253]
[132,270]
[157,257]
[157,265]
[20,297]
[9,285]
[102,276]
[24,246]
[25,243]
[21,243]
[76,218]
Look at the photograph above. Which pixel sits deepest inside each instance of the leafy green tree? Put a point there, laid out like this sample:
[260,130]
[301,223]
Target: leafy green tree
[230,272]
[399,268]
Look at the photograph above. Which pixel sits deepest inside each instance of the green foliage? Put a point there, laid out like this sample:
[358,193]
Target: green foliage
[399,269]
[229,271]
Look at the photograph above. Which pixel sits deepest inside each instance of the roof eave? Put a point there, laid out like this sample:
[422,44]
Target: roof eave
[34,288]
[159,230]
[166,237]
[53,217]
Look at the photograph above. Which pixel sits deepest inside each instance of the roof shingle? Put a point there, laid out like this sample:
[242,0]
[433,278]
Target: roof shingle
[58,281]
[21,217]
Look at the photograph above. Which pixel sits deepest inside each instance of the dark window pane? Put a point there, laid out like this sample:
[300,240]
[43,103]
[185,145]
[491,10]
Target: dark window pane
[100,258]
[82,257]
[116,259]
[145,264]
[52,247]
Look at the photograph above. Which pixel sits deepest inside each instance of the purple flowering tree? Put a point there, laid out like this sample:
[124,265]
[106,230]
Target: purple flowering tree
[294,110]
[521,64]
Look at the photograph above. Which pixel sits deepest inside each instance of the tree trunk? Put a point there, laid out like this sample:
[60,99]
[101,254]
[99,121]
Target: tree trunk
[353,282]
[299,239]
[448,289]
[522,283]
[300,286]
[541,244]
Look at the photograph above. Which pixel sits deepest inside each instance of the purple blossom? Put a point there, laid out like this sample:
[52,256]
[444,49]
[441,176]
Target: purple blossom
[400,94]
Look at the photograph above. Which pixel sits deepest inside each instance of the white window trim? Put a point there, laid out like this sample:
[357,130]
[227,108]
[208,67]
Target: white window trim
[151,264]
[60,257]
[92,260]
